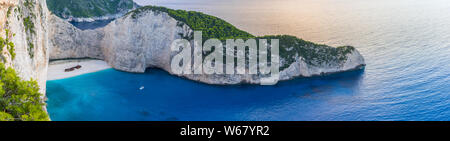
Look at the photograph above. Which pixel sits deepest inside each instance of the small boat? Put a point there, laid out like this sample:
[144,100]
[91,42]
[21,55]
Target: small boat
[69,70]
[72,68]
[141,88]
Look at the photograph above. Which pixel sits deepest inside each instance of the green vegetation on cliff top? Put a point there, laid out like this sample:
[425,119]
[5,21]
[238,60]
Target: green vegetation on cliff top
[211,26]
[88,8]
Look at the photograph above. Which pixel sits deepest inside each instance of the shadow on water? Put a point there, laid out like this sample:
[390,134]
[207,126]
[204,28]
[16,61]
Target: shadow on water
[54,87]
[65,100]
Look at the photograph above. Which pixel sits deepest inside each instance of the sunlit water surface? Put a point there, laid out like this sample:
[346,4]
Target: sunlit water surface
[406,45]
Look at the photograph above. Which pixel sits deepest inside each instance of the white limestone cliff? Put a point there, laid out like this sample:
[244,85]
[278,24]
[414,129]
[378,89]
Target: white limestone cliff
[27,23]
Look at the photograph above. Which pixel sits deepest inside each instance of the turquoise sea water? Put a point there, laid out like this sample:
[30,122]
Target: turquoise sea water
[116,95]
[405,44]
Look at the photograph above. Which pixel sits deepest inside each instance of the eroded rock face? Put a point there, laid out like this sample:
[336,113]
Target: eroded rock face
[71,42]
[27,25]
[135,43]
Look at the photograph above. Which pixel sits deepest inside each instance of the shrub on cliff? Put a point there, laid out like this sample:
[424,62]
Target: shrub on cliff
[9,45]
[20,100]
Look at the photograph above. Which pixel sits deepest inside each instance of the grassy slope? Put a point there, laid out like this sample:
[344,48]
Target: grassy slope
[88,8]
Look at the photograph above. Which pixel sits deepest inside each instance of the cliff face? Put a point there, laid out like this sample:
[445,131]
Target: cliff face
[126,44]
[71,42]
[25,21]
[135,43]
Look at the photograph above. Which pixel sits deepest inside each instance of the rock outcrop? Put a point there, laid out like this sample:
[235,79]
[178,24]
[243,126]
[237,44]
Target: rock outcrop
[71,42]
[135,43]
[25,21]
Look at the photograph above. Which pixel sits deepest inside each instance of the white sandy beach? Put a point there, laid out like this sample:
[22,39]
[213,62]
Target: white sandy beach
[56,68]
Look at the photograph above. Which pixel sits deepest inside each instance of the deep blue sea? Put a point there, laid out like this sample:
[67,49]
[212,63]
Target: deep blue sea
[406,45]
